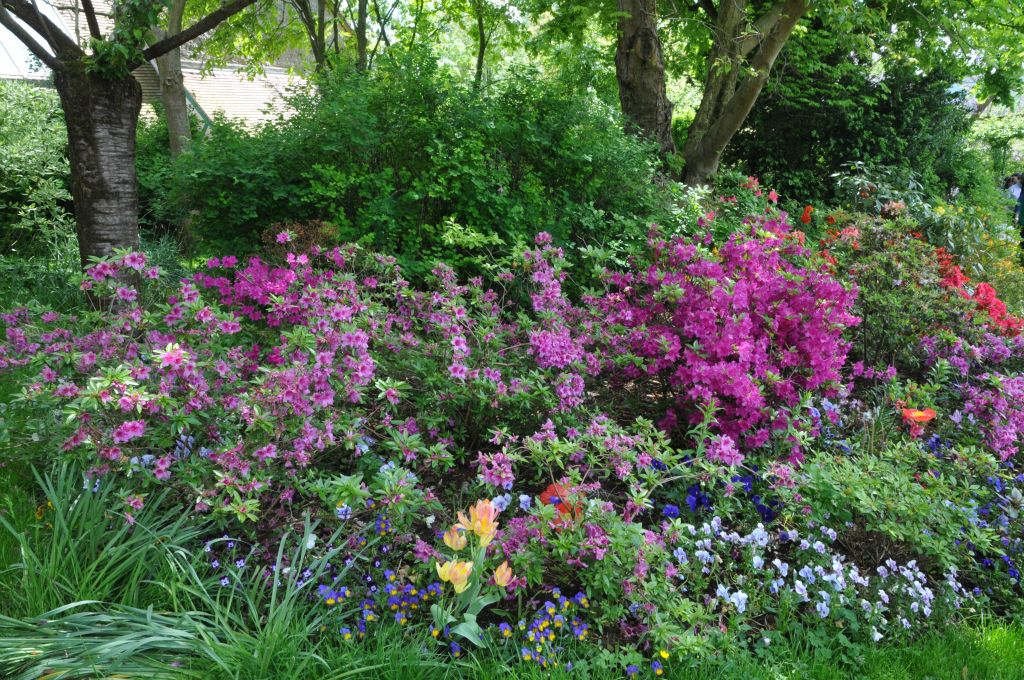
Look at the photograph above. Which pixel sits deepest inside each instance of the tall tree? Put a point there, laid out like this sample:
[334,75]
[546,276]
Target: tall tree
[743,50]
[172,83]
[362,13]
[101,102]
[640,70]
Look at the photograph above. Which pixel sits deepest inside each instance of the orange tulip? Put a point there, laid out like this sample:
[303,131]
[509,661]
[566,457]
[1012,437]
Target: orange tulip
[454,539]
[482,521]
[503,574]
[918,416]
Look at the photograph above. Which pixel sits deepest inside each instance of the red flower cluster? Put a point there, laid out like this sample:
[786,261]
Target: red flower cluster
[984,294]
[559,496]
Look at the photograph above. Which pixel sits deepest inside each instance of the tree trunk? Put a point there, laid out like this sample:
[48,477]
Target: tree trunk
[172,94]
[481,48]
[640,70]
[101,115]
[727,100]
[361,36]
[172,86]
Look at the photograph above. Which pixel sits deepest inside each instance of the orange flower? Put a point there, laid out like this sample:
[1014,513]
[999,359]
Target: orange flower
[454,539]
[558,495]
[806,217]
[914,415]
[503,574]
[482,521]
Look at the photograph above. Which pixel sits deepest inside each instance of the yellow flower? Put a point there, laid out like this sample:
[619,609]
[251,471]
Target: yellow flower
[503,574]
[482,521]
[456,573]
[454,539]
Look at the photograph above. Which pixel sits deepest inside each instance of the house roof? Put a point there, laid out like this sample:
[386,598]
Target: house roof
[222,91]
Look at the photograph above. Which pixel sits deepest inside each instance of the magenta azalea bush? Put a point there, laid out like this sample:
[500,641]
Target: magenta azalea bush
[685,448]
[749,328]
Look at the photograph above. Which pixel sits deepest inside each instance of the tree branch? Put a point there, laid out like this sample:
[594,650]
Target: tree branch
[8,21]
[710,8]
[761,27]
[55,37]
[195,30]
[90,18]
[736,109]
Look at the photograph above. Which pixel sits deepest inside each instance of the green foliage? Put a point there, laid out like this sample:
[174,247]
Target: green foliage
[35,210]
[900,299]
[898,504]
[83,547]
[120,51]
[829,103]
[410,160]
[997,133]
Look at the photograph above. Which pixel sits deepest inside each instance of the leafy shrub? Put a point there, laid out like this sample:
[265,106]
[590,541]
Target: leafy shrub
[396,158]
[746,331]
[830,107]
[35,200]
[901,297]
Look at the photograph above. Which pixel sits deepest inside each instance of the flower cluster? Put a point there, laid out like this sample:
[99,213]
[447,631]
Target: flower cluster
[556,624]
[983,295]
[747,328]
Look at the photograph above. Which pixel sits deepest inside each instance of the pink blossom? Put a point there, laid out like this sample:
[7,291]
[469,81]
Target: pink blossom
[128,431]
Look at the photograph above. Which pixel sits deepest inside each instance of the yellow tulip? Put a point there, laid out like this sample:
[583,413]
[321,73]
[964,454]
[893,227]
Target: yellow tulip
[456,573]
[482,520]
[503,574]
[454,539]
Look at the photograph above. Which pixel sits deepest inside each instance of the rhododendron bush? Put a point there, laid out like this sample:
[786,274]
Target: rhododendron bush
[269,371]
[682,447]
[749,328]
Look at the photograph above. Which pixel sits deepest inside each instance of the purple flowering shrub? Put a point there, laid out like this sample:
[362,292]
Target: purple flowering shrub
[748,327]
[604,430]
[249,376]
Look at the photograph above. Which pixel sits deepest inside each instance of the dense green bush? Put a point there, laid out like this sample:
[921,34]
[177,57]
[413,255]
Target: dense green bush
[412,160]
[34,197]
[900,299]
[828,104]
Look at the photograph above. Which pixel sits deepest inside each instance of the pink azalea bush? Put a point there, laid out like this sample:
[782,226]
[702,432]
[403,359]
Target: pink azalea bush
[748,328]
[329,383]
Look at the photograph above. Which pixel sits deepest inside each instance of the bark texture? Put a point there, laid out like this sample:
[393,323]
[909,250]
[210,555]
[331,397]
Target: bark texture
[172,86]
[640,70]
[739,63]
[362,13]
[101,116]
